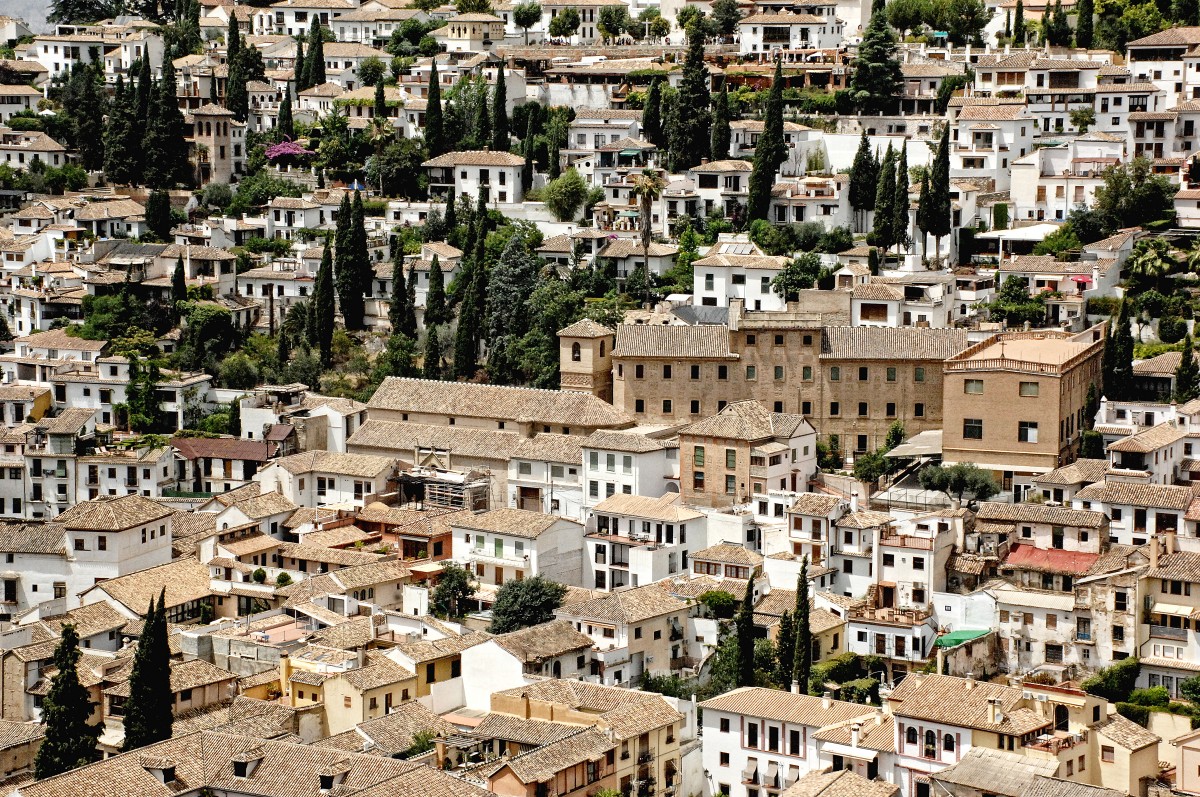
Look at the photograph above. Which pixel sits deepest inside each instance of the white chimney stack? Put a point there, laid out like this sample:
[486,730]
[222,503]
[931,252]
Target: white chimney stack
[855,730]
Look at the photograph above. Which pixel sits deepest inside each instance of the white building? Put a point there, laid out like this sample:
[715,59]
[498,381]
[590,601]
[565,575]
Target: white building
[320,478]
[465,173]
[765,32]
[628,463]
[503,544]
[634,540]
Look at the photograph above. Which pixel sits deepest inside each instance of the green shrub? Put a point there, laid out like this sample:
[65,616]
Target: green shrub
[720,603]
[1114,683]
[1152,696]
[1132,711]
[1171,329]
[1103,305]
[860,690]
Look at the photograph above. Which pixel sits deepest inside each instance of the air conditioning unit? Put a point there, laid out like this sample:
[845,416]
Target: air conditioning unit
[1027,695]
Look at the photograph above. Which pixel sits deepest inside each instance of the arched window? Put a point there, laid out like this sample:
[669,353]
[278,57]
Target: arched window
[910,736]
[948,743]
[602,347]
[576,354]
[930,744]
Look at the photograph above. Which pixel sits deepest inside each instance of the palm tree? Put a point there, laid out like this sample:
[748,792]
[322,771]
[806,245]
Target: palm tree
[647,188]
[1152,260]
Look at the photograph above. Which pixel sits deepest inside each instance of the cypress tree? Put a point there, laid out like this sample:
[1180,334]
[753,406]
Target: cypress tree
[802,672]
[785,650]
[237,96]
[1047,24]
[283,351]
[433,352]
[900,205]
[770,151]
[689,134]
[316,54]
[721,134]
[470,317]
[527,147]
[148,715]
[435,296]
[744,625]
[345,272]
[864,182]
[145,92]
[300,67]
[321,322]
[1084,24]
[380,103]
[178,285]
[408,324]
[1187,375]
[923,208]
[158,215]
[435,141]
[121,151]
[885,199]
[233,37]
[165,149]
[396,308]
[286,126]
[939,191]
[500,126]
[652,126]
[450,217]
[356,268]
[70,739]
[1018,29]
[1118,379]
[88,117]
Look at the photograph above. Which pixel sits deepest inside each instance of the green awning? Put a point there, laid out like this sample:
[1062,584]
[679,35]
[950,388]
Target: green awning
[956,638]
[630,213]
[630,153]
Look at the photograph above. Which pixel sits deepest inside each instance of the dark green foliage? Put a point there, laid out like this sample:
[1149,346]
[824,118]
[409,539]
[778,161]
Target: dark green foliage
[70,740]
[864,180]
[744,624]
[321,326]
[121,136]
[721,604]
[876,82]
[1014,304]
[900,203]
[178,285]
[165,151]
[688,136]
[1091,445]
[1190,688]
[1059,33]
[520,604]
[315,66]
[432,359]
[1116,683]
[398,306]
[1132,195]
[669,685]
[1134,712]
[158,215]
[455,587]
[800,274]
[1171,329]
[527,149]
[1187,375]
[208,337]
[1018,26]
[141,396]
[1085,10]
[652,124]
[87,102]
[1118,356]
[435,296]
[883,230]
[725,16]
[938,217]
[802,658]
[350,238]
[148,711]
[785,650]
[769,152]
[721,133]
[1150,696]
[512,282]
[500,128]
[958,480]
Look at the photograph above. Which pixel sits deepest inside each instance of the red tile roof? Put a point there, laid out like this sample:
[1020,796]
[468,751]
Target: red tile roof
[1053,560]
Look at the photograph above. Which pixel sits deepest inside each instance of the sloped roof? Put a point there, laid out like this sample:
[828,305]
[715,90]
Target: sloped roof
[749,420]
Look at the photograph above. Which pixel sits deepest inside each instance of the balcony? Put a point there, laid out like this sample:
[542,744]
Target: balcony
[1167,632]
[906,541]
[645,757]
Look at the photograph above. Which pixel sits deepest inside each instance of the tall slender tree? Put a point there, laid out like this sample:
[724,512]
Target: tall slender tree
[379,109]
[785,650]
[178,287]
[1187,375]
[939,218]
[877,79]
[165,150]
[885,202]
[360,258]
[1018,28]
[435,296]
[237,94]
[1118,376]
[527,149]
[397,307]
[864,182]
[320,326]
[923,208]
[88,114]
[900,204]
[300,67]
[689,135]
[316,53]
[721,132]
[70,739]
[409,322]
[744,626]
[148,711]
[652,124]
[286,126]
[145,91]
[233,36]
[435,137]
[1084,24]
[121,136]
[770,151]
[501,132]
[432,367]
[802,667]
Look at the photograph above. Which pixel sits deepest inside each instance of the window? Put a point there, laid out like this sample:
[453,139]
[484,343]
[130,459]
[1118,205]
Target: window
[1027,431]
[698,456]
[730,484]
[862,409]
[864,373]
[891,373]
[751,373]
[1107,753]
[918,374]
[973,386]
[778,372]
[910,735]
[834,408]
[1028,389]
[972,428]
[731,457]
[919,410]
[918,563]
[666,372]
[948,743]
[724,725]
[835,374]
[806,373]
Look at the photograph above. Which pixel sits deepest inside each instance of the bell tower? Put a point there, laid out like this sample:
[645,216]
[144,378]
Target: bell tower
[585,358]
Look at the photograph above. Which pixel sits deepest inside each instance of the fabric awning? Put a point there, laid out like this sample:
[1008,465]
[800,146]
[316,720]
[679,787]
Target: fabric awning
[772,772]
[846,751]
[630,213]
[750,772]
[1172,608]
[630,153]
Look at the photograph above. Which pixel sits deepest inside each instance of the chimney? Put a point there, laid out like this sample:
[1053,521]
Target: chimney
[854,502]
[994,710]
[941,660]
[795,687]
[1169,542]
[362,656]
[703,161]
[970,681]
[879,712]
[855,730]
[1153,552]
[285,677]
[440,746]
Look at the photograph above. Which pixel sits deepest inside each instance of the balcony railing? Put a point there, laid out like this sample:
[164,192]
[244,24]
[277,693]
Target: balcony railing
[1168,632]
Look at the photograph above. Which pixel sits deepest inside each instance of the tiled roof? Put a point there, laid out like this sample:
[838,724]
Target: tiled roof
[520,730]
[190,674]
[628,712]
[1178,566]
[667,508]
[545,762]
[863,519]
[224,448]
[724,260]
[391,734]
[749,421]
[630,441]
[476,158]
[1081,471]
[1157,496]
[522,404]
[585,328]
[1125,732]
[109,513]
[185,580]
[885,343]
[776,704]
[1050,560]
[265,505]
[426,650]
[963,702]
[996,771]
[627,606]
[378,671]
[839,783]
[33,537]
[515,522]
[729,553]
[545,641]
[565,449]
[1038,513]
[15,734]
[624,247]
[1149,440]
[874,291]
[673,342]
[1170,37]
[876,733]
[362,465]
[59,339]
[818,504]
[1046,786]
